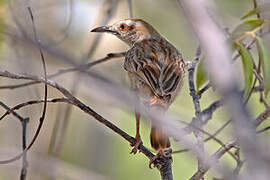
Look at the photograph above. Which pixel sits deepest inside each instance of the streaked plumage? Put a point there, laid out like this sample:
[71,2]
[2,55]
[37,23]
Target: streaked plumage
[155,69]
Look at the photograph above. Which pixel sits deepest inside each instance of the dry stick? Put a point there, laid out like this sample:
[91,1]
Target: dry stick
[41,120]
[108,57]
[19,106]
[204,89]
[24,162]
[196,102]
[263,130]
[21,119]
[59,134]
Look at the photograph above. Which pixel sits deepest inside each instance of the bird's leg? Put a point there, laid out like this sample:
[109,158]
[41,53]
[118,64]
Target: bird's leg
[137,137]
[161,153]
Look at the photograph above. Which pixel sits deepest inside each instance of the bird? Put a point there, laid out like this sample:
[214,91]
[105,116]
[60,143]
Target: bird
[156,72]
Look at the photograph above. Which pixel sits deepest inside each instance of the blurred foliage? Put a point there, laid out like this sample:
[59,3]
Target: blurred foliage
[264,56]
[246,26]
[248,68]
[258,10]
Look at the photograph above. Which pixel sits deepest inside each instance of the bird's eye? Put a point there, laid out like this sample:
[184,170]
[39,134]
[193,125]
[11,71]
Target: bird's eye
[122,26]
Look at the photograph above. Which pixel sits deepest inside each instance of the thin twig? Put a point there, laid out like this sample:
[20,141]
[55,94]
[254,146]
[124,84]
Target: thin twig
[21,119]
[21,105]
[263,130]
[41,120]
[24,161]
[196,102]
[204,89]
[108,57]
[192,90]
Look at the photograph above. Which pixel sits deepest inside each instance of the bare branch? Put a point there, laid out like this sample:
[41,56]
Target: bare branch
[41,120]
[24,161]
[108,57]
[11,111]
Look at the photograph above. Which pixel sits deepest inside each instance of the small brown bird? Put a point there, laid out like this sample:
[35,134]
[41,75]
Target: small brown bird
[155,69]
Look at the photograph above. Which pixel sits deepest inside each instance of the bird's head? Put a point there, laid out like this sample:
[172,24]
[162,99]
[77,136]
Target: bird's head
[130,30]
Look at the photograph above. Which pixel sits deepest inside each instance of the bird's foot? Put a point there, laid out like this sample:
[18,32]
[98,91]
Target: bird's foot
[136,145]
[166,153]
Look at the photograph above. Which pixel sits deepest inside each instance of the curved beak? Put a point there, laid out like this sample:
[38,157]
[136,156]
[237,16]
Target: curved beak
[101,29]
[107,29]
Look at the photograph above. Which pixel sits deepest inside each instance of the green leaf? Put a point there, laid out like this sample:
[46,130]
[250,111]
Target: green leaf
[264,55]
[261,9]
[247,68]
[246,26]
[251,13]
[201,76]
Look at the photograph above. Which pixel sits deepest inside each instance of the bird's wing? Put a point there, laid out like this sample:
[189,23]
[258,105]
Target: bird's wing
[157,65]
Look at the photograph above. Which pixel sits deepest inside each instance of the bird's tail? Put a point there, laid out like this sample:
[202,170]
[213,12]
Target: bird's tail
[159,135]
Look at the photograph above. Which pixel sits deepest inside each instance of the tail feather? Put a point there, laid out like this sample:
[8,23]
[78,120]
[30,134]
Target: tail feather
[159,135]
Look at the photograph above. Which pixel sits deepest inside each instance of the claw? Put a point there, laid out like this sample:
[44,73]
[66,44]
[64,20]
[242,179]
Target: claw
[136,145]
[166,153]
